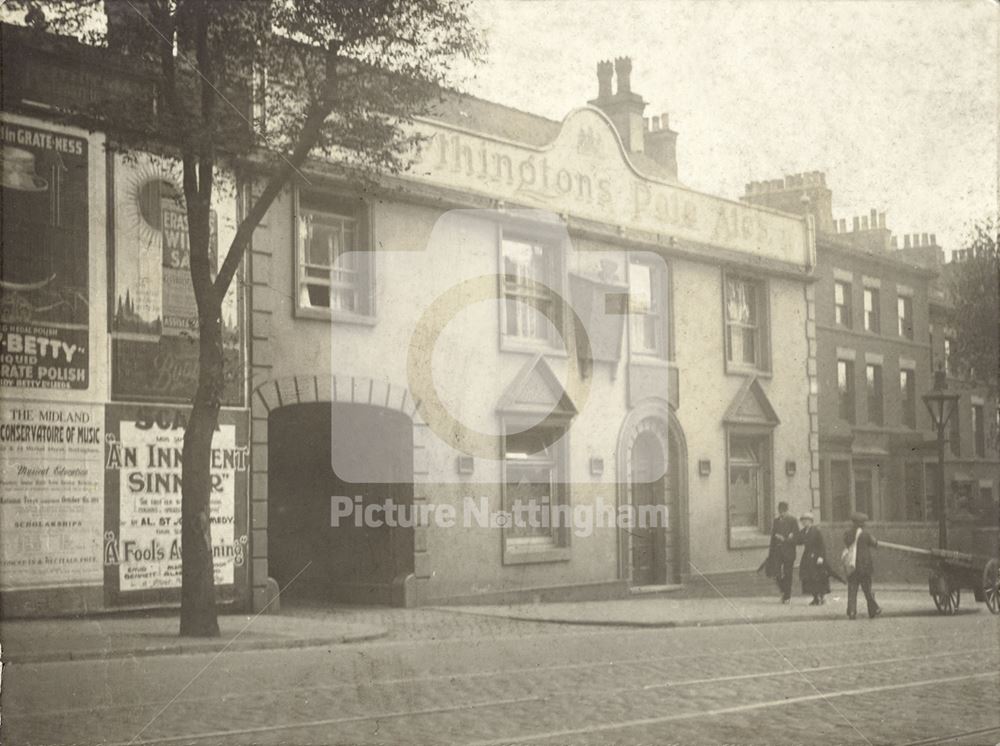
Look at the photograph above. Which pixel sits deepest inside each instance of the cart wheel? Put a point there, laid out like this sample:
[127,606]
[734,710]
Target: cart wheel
[991,585]
[947,603]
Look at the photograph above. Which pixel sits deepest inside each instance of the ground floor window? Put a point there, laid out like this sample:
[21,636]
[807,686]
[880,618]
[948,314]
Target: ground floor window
[749,481]
[534,476]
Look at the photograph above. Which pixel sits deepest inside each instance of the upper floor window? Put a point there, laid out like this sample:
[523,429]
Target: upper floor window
[845,390]
[908,397]
[334,274]
[842,303]
[872,320]
[979,430]
[873,379]
[948,365]
[531,270]
[904,312]
[647,309]
[746,322]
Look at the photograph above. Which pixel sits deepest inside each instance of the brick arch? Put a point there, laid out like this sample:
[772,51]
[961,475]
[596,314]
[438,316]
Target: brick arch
[308,389]
[276,393]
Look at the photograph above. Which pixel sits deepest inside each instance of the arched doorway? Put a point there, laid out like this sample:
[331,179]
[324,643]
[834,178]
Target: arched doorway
[652,467]
[313,553]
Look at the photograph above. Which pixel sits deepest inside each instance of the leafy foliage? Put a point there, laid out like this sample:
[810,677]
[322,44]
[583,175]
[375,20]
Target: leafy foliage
[975,316]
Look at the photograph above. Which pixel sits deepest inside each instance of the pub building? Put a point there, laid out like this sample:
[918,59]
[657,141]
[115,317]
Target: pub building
[537,313]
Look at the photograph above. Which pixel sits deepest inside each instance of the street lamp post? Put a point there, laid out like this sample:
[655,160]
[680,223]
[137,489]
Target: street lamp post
[941,405]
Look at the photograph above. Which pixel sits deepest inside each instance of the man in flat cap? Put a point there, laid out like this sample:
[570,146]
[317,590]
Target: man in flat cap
[859,564]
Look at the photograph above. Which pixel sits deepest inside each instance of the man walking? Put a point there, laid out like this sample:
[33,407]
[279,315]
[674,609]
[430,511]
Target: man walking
[860,565]
[781,560]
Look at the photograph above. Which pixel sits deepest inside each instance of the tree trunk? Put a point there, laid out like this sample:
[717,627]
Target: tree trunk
[198,613]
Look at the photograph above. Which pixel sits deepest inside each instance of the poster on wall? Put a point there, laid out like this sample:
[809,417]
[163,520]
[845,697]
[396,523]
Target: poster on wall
[143,459]
[51,495]
[154,321]
[44,294]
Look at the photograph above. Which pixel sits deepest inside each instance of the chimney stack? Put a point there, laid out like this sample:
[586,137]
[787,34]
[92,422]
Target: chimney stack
[624,108]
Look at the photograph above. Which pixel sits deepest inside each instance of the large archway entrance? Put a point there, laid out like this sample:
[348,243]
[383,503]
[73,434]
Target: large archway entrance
[313,553]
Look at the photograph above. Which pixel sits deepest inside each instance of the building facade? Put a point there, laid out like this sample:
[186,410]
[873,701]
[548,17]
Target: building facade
[881,318]
[538,313]
[676,391]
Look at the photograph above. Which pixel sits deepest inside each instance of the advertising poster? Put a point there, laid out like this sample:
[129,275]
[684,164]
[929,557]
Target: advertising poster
[51,495]
[143,459]
[154,319]
[44,296]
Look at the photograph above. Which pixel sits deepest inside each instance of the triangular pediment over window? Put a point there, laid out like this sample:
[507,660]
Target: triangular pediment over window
[751,406]
[536,390]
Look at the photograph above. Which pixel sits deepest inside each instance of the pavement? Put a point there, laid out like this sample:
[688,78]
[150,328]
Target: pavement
[663,611]
[302,626]
[103,637]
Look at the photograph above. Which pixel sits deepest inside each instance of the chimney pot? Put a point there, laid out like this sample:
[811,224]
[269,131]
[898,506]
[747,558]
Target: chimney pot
[874,214]
[864,222]
[856,224]
[604,72]
[906,241]
[623,72]
[665,121]
[923,240]
[933,240]
[656,124]
[895,242]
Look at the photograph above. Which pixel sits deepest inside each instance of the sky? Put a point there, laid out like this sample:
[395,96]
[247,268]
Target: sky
[895,101]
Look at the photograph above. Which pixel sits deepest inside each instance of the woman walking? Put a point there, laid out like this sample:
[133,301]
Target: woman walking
[814,569]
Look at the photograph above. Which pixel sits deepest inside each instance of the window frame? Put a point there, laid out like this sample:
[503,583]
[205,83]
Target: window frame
[908,398]
[904,316]
[364,231]
[850,394]
[874,393]
[843,310]
[528,550]
[555,342]
[659,273]
[873,315]
[739,537]
[762,363]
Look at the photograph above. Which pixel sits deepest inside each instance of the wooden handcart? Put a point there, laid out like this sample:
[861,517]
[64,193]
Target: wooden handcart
[950,572]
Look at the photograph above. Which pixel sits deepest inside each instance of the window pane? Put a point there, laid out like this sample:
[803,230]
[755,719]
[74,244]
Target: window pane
[908,398]
[529,269]
[873,377]
[845,390]
[747,483]
[840,489]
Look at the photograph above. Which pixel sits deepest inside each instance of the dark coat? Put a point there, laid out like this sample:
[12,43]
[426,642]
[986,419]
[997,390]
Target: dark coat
[865,564]
[814,568]
[784,532]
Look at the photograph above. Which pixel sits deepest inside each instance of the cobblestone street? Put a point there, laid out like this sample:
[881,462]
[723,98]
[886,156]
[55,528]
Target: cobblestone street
[890,681]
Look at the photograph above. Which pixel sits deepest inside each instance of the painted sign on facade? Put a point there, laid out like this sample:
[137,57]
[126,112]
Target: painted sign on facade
[582,172]
[143,462]
[154,318]
[44,291]
[51,495]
